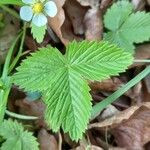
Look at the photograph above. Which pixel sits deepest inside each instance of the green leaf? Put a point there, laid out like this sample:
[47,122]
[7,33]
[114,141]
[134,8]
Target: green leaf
[97,61]
[63,80]
[38,32]
[117,14]
[13,2]
[16,137]
[44,66]
[68,104]
[117,38]
[126,27]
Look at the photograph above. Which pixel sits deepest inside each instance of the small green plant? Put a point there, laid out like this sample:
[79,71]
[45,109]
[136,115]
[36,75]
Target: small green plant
[16,137]
[62,79]
[37,11]
[125,26]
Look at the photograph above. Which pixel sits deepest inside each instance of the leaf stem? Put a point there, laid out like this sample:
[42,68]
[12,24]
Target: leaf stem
[8,58]
[142,60]
[22,117]
[13,64]
[3,103]
[10,11]
[107,101]
[6,80]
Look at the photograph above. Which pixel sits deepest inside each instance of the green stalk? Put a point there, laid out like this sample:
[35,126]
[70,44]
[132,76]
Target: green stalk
[13,64]
[10,11]
[8,59]
[107,101]
[3,102]
[6,84]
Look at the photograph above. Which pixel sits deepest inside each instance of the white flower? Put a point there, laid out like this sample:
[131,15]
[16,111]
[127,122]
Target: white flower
[37,10]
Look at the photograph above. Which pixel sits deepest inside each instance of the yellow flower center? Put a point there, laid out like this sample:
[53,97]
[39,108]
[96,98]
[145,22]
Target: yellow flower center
[38,8]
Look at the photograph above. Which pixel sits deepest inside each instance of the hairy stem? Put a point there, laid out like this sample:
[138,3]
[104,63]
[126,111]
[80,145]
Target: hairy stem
[6,80]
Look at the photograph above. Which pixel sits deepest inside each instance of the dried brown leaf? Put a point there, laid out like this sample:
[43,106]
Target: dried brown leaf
[92,3]
[57,22]
[76,14]
[106,85]
[93,24]
[139,4]
[47,141]
[118,118]
[134,132]
[105,4]
[142,52]
[34,108]
[92,147]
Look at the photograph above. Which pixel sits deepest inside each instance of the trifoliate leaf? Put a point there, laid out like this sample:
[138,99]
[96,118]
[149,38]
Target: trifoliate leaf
[16,137]
[117,14]
[38,32]
[62,80]
[126,27]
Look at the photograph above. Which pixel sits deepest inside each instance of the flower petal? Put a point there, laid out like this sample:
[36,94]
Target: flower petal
[28,1]
[42,1]
[50,8]
[26,13]
[39,20]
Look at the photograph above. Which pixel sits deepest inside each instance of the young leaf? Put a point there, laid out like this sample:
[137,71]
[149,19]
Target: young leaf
[126,27]
[38,32]
[117,14]
[62,80]
[16,137]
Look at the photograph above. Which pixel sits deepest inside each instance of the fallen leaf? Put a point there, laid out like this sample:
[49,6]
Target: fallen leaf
[34,108]
[76,14]
[93,24]
[47,141]
[108,112]
[142,52]
[147,83]
[92,3]
[138,4]
[133,133]
[110,85]
[105,4]
[118,118]
[56,22]
[117,148]
[92,147]
[148,1]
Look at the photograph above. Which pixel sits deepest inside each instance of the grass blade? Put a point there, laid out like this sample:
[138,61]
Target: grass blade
[103,104]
